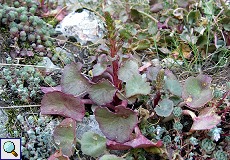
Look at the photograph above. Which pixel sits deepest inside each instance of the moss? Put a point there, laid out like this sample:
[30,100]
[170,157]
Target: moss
[5,34]
[32,60]
[11,125]
[51,20]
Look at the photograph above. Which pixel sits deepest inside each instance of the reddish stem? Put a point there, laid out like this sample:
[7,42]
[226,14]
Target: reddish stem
[222,100]
[225,135]
[42,3]
[157,98]
[113,52]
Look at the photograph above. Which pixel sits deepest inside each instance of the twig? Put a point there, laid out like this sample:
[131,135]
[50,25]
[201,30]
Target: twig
[222,100]
[24,106]
[146,14]
[24,65]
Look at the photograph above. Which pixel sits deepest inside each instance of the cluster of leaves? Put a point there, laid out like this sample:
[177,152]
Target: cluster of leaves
[29,34]
[195,33]
[36,134]
[117,88]
[143,108]
[20,83]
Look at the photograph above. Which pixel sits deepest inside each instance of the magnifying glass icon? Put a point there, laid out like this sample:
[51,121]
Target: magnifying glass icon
[9,147]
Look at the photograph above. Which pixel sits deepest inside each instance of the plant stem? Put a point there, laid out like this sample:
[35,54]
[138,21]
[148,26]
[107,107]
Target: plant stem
[222,100]
[146,14]
[157,98]
[113,52]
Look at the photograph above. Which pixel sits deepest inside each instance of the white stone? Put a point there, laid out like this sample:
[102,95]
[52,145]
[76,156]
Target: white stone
[83,26]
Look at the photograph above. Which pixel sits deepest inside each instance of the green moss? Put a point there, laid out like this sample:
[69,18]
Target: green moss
[32,60]
[51,20]
[10,125]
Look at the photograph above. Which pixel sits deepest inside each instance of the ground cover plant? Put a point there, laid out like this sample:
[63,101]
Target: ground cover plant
[149,84]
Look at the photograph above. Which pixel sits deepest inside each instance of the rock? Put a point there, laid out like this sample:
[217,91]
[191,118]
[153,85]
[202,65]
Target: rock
[88,124]
[48,65]
[62,51]
[169,62]
[83,25]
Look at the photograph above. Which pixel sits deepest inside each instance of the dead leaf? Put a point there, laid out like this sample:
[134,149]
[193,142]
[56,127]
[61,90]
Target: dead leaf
[143,113]
[184,49]
[145,66]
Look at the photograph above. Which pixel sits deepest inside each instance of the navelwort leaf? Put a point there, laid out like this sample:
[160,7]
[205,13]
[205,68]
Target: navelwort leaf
[128,69]
[58,155]
[138,141]
[101,65]
[164,108]
[173,86]
[102,92]
[116,126]
[137,85]
[73,82]
[93,144]
[110,157]
[207,119]
[59,103]
[196,91]
[65,136]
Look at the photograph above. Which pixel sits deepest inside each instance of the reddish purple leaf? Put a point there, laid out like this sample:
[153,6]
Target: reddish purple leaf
[105,75]
[196,91]
[139,141]
[145,66]
[152,73]
[59,103]
[50,89]
[72,81]
[101,66]
[102,92]
[58,156]
[116,126]
[207,119]
[169,74]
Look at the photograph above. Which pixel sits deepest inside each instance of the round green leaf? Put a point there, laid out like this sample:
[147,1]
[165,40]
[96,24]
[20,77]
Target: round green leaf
[93,144]
[164,108]
[173,86]
[128,69]
[98,69]
[137,85]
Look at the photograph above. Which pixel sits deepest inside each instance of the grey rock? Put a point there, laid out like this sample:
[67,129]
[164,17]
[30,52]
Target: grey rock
[88,124]
[84,26]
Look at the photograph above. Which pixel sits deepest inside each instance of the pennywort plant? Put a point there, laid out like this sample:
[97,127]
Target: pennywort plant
[118,82]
